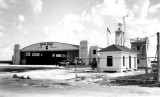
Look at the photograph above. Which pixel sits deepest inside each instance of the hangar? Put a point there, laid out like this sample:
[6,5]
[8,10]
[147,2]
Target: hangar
[48,53]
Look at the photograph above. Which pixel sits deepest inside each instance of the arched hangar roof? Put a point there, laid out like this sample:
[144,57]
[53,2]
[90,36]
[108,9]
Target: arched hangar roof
[50,46]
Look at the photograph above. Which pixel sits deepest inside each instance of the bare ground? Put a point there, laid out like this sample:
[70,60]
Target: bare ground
[62,82]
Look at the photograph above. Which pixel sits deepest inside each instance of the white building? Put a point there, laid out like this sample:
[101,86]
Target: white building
[117,58]
[140,45]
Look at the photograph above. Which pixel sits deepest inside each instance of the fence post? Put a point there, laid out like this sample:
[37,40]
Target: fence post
[158,57]
[76,67]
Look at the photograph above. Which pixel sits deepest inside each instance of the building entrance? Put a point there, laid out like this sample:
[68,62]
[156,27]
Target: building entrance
[44,58]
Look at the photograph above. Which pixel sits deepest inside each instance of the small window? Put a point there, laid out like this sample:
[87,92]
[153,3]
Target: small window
[109,61]
[35,54]
[28,54]
[58,55]
[53,55]
[129,61]
[64,55]
[123,60]
[46,47]
[94,51]
[138,48]
[138,61]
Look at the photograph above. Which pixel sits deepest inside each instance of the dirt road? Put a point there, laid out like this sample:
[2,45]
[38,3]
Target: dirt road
[61,83]
[78,90]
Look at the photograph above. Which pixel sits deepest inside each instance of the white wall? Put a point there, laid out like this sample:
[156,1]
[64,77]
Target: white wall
[117,61]
[91,55]
[133,61]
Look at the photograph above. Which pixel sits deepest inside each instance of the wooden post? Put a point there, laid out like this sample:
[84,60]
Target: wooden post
[158,57]
[76,67]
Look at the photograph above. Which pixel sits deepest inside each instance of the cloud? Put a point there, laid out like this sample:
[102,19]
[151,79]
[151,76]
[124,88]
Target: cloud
[91,26]
[74,28]
[37,6]
[71,27]
[88,26]
[1,32]
[46,30]
[21,18]
[20,26]
[141,23]
[154,9]
[7,3]
[144,9]
[25,32]
[113,8]
[6,52]
[3,4]
[1,35]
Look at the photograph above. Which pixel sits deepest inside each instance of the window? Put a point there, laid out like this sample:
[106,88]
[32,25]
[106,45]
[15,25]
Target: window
[64,55]
[58,55]
[94,51]
[109,61]
[129,61]
[46,47]
[35,54]
[138,61]
[53,55]
[138,48]
[28,54]
[123,60]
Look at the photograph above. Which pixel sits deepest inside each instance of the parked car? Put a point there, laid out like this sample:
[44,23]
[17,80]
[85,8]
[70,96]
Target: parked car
[78,62]
[73,62]
[64,63]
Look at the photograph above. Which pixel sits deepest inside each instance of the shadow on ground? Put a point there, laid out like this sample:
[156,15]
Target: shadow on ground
[24,69]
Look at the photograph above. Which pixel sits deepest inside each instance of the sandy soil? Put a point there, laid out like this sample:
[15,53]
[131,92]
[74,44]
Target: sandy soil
[61,82]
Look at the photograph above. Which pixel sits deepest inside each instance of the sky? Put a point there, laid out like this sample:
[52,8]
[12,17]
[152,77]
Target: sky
[26,22]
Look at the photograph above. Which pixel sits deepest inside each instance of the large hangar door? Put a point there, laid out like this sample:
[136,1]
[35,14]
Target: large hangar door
[34,58]
[45,58]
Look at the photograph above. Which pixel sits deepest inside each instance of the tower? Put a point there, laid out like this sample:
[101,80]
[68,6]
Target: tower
[119,36]
[16,56]
[84,51]
[140,45]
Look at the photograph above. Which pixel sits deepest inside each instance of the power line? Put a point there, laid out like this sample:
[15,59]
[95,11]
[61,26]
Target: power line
[152,35]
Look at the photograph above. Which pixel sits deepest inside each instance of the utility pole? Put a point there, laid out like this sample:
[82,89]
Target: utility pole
[124,17]
[158,57]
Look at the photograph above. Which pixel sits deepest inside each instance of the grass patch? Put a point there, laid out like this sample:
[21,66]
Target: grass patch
[148,79]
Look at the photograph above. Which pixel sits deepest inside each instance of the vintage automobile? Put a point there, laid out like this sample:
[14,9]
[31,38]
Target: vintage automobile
[73,62]
[78,62]
[64,63]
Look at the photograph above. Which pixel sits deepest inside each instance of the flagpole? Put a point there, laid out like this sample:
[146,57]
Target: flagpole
[107,37]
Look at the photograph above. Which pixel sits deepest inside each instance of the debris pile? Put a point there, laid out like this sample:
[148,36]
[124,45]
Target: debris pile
[20,77]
